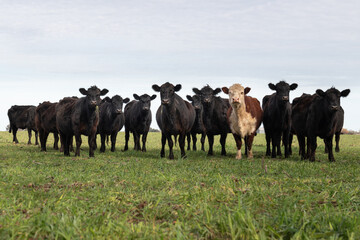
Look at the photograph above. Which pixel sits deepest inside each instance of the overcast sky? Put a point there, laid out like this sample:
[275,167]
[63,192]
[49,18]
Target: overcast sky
[50,49]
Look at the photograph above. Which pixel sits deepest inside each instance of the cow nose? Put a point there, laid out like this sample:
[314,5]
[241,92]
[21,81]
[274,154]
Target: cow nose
[197,107]
[118,111]
[207,100]
[165,101]
[146,109]
[285,98]
[93,103]
[334,108]
[236,100]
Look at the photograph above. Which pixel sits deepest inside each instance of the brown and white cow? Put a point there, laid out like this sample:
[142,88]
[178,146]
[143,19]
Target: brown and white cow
[244,117]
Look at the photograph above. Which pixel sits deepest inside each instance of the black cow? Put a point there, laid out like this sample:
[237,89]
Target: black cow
[45,121]
[22,117]
[111,119]
[316,115]
[214,116]
[138,120]
[174,117]
[76,117]
[277,118]
[198,127]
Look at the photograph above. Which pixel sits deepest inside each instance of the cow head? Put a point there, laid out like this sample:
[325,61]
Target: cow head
[117,102]
[332,97]
[195,101]
[207,94]
[282,90]
[93,95]
[167,92]
[144,100]
[236,94]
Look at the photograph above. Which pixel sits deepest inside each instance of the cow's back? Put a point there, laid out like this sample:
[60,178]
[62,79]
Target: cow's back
[64,110]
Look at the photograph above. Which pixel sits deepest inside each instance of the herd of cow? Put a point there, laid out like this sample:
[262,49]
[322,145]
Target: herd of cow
[309,116]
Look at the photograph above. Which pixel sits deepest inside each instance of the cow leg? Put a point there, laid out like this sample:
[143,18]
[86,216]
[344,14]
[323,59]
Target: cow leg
[29,133]
[278,144]
[127,136]
[56,141]
[238,145]
[113,141]
[163,142]
[91,143]
[44,140]
[102,147]
[301,140]
[15,140]
[78,144]
[202,140]
[136,141]
[188,136]
[268,141]
[245,143]
[326,147]
[171,144]
[249,144]
[337,140]
[312,145]
[71,147]
[223,142]
[194,138]
[211,143]
[328,142]
[41,135]
[182,145]
[36,137]
[144,137]
[66,143]
[286,143]
[290,142]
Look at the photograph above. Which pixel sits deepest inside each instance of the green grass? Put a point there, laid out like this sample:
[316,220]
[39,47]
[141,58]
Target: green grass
[131,195]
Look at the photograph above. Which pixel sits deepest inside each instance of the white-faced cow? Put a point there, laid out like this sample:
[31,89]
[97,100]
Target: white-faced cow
[45,121]
[76,117]
[137,120]
[111,119]
[22,117]
[198,127]
[277,118]
[316,116]
[244,117]
[175,117]
[214,116]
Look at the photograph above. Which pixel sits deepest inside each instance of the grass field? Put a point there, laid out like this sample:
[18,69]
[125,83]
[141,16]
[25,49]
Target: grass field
[128,195]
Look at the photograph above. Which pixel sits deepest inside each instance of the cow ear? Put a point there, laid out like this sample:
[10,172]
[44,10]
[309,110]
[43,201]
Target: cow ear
[345,92]
[225,90]
[189,98]
[83,91]
[126,100]
[293,86]
[216,91]
[196,91]
[136,96]
[272,86]
[246,90]
[104,92]
[153,97]
[156,88]
[107,99]
[177,87]
[320,92]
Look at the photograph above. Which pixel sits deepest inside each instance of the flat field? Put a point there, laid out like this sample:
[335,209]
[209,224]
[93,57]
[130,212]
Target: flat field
[128,195]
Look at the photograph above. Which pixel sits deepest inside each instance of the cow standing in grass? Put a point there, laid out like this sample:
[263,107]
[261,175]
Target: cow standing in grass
[277,118]
[214,116]
[45,121]
[198,127]
[111,119]
[175,117]
[76,117]
[244,117]
[137,120]
[22,117]
[316,116]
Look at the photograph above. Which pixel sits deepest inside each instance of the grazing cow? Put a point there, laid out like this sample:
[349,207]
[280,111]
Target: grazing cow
[277,118]
[316,115]
[244,117]
[22,117]
[214,116]
[76,117]
[45,121]
[198,127]
[174,117]
[138,120]
[111,119]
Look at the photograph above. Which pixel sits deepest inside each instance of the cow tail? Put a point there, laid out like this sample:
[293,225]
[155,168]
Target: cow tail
[10,128]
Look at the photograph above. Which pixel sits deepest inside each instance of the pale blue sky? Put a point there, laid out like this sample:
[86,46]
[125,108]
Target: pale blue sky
[50,49]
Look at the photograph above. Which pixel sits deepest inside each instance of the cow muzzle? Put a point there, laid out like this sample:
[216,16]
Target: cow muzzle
[145,109]
[118,111]
[285,98]
[334,108]
[165,101]
[93,103]
[236,100]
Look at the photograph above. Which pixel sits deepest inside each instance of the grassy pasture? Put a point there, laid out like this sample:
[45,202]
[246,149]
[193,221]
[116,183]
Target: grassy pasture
[128,195]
